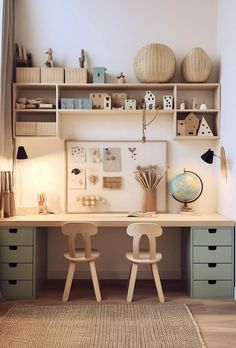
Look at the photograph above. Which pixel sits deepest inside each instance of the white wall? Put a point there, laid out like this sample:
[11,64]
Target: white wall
[227,52]
[111,34]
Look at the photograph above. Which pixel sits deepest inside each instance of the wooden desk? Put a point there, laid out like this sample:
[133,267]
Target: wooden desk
[118,219]
[208,239]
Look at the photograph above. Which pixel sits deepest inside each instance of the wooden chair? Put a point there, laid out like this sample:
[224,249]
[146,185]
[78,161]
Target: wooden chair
[87,254]
[137,256]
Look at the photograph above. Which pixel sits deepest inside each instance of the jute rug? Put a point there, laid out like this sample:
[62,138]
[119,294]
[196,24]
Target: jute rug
[100,326]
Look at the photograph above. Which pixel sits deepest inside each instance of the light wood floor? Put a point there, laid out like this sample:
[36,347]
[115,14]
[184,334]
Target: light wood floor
[216,318]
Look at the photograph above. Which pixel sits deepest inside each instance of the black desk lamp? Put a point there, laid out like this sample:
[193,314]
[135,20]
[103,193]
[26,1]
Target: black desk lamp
[21,153]
[209,156]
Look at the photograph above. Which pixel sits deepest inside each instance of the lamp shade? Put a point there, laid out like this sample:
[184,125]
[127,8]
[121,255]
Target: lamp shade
[208,156]
[21,153]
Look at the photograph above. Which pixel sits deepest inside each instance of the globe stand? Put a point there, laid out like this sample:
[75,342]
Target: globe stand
[186,209]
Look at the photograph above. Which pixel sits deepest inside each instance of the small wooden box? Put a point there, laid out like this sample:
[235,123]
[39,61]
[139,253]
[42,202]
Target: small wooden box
[52,75]
[76,75]
[26,128]
[46,128]
[27,75]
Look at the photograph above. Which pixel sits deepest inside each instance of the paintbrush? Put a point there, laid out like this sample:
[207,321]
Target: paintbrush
[6,195]
[1,195]
[12,197]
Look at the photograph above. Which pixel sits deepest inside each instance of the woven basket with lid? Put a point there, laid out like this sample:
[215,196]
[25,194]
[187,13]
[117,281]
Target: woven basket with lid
[154,63]
[196,66]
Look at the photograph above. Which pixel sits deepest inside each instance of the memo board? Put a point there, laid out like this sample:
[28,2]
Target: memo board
[100,175]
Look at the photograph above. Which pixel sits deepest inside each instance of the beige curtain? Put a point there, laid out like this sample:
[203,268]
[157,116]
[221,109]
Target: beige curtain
[7,68]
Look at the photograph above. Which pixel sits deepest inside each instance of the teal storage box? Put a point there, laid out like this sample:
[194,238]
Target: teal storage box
[67,103]
[87,104]
[99,75]
[78,103]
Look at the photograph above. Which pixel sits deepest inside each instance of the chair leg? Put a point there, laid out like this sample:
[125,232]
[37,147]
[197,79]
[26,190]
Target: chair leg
[95,281]
[132,279]
[157,282]
[69,278]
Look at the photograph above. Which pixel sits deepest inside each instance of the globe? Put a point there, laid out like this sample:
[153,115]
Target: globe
[186,187]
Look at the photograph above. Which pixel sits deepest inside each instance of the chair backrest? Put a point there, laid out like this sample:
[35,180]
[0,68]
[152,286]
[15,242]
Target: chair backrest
[151,230]
[85,229]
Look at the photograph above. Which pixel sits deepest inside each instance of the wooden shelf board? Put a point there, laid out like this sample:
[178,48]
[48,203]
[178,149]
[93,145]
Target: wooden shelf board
[35,110]
[114,112]
[197,110]
[193,137]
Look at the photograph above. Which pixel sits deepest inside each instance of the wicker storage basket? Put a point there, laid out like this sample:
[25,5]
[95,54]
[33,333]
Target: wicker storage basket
[154,63]
[46,128]
[196,66]
[27,75]
[26,128]
[52,75]
[76,75]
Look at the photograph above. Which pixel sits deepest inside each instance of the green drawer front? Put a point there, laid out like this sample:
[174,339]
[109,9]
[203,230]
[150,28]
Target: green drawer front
[221,254]
[16,271]
[221,289]
[212,236]
[16,236]
[16,254]
[209,271]
[18,289]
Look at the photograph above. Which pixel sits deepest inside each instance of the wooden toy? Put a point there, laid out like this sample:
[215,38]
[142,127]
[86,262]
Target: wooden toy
[167,101]
[191,123]
[99,75]
[204,129]
[130,104]
[107,102]
[181,127]
[149,99]
[118,100]
[98,99]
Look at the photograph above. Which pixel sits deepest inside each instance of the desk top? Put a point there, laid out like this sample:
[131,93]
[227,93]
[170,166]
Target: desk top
[118,219]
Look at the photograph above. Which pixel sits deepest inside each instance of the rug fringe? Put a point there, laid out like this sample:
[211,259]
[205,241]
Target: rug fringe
[196,327]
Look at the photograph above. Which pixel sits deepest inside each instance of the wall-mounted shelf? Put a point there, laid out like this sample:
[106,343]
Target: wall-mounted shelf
[46,122]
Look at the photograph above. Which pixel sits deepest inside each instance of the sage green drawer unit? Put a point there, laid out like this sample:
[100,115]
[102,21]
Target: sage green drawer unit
[16,253]
[209,254]
[17,271]
[213,288]
[209,271]
[16,236]
[16,289]
[213,236]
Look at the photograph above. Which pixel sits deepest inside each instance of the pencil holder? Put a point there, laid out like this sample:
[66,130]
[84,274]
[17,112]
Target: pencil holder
[149,200]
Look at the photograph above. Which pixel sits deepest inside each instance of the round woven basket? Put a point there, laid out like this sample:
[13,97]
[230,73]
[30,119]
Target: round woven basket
[196,66]
[154,63]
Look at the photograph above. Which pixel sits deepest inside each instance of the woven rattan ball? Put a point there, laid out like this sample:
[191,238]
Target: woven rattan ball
[196,66]
[154,63]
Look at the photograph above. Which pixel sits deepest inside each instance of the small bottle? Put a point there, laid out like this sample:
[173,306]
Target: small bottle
[182,105]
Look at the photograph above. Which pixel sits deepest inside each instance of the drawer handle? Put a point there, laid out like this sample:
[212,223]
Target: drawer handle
[13,230]
[211,282]
[13,247]
[12,282]
[212,230]
[211,265]
[12,264]
[211,247]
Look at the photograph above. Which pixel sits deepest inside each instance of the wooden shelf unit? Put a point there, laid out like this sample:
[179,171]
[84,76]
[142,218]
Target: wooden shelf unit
[208,93]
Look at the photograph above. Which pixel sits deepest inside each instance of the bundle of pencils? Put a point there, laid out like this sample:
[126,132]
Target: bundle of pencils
[148,177]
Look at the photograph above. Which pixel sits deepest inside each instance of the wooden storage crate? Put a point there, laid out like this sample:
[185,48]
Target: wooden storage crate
[26,128]
[76,75]
[46,128]
[27,75]
[52,75]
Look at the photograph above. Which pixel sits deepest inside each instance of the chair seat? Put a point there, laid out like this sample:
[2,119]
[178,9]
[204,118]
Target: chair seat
[143,257]
[80,255]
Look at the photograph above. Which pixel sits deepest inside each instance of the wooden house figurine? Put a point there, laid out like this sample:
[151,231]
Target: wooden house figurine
[191,124]
[107,102]
[204,128]
[99,75]
[130,104]
[98,99]
[181,127]
[167,102]
[118,100]
[150,100]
